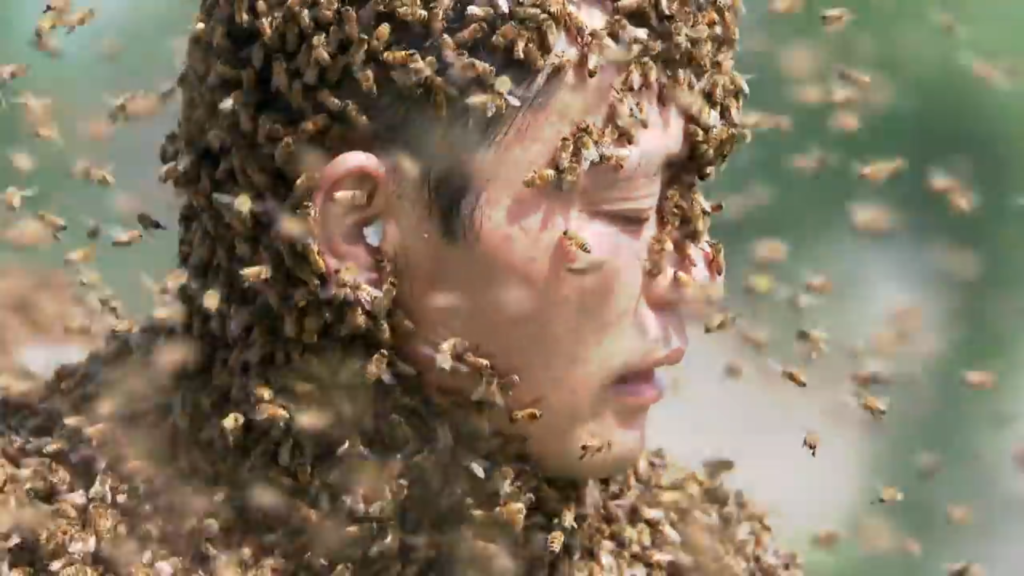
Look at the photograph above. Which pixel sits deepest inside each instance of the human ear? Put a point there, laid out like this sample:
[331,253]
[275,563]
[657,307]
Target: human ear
[351,206]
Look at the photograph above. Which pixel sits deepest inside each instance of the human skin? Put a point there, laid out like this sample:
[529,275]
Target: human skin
[568,335]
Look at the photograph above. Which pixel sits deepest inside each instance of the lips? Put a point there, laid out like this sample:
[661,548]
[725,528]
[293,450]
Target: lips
[643,385]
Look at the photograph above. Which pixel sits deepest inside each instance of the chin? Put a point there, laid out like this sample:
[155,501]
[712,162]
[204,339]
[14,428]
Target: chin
[627,447]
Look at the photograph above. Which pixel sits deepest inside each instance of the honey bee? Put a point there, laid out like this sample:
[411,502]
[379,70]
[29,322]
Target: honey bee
[55,223]
[399,57]
[786,6]
[81,255]
[479,13]
[964,569]
[733,369]
[514,513]
[575,242]
[818,284]
[846,121]
[881,171]
[835,19]
[13,197]
[759,284]
[539,178]
[254,274]
[381,36]
[979,379]
[592,447]
[811,440]
[815,339]
[80,18]
[872,218]
[860,79]
[354,115]
[870,377]
[211,300]
[412,15]
[716,264]
[889,495]
[568,517]
[527,415]
[555,541]
[377,367]
[475,362]
[875,406]
[959,514]
[718,322]
[470,34]
[148,222]
[795,376]
[366,81]
[126,238]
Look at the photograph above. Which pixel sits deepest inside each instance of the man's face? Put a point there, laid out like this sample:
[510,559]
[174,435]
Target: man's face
[584,333]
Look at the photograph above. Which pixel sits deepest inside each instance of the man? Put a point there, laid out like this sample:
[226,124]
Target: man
[433,257]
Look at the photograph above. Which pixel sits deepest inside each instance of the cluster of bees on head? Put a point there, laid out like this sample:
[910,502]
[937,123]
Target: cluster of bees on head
[323,58]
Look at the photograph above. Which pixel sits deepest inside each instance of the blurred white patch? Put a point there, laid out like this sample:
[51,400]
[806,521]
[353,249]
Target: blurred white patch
[374,233]
[43,359]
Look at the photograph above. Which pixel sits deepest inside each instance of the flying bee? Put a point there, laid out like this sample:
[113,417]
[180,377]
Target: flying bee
[795,376]
[880,171]
[555,541]
[811,440]
[126,238]
[13,197]
[575,242]
[527,415]
[889,495]
[855,77]
[875,406]
[80,18]
[148,222]
[718,322]
[979,379]
[81,255]
[254,274]
[55,223]
[592,447]
[568,517]
[818,284]
[816,340]
[964,569]
[835,19]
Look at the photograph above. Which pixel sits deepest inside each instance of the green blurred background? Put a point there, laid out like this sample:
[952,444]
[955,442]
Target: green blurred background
[934,111]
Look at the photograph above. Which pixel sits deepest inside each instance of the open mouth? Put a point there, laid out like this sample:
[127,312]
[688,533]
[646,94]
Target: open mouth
[642,387]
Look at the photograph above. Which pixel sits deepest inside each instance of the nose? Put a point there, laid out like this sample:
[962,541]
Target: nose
[677,289]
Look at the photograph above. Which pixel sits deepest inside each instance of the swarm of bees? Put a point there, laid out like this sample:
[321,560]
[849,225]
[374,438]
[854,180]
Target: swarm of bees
[234,158]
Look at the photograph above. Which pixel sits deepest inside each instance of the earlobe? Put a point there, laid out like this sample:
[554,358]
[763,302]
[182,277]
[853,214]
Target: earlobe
[349,211]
